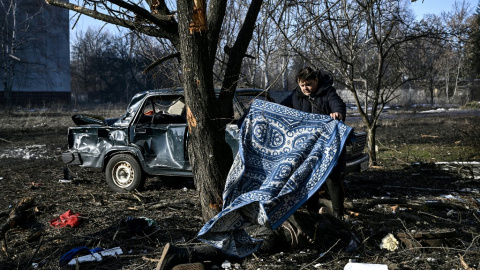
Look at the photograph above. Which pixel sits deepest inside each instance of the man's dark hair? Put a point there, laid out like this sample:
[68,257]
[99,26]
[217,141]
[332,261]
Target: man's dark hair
[306,74]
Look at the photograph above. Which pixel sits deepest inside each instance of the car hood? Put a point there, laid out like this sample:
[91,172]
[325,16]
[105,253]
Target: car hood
[87,119]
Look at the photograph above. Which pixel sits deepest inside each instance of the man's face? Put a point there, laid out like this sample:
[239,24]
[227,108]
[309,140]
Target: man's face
[308,87]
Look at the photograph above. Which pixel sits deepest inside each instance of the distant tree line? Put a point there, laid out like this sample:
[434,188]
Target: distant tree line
[474,43]
[109,67]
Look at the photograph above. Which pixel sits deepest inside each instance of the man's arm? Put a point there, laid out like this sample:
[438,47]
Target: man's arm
[337,106]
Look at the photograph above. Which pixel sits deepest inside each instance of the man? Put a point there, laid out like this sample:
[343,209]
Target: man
[315,94]
[301,230]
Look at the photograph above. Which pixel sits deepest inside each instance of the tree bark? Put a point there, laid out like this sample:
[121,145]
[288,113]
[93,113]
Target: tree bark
[208,150]
[371,145]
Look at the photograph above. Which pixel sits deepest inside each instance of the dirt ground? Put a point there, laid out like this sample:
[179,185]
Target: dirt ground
[434,207]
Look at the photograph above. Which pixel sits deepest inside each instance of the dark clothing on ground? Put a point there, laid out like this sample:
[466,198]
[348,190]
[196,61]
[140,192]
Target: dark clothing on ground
[301,230]
[304,230]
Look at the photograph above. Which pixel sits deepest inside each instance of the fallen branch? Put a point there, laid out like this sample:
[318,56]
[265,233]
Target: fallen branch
[415,204]
[429,136]
[168,203]
[321,256]
[464,264]
[5,140]
[15,217]
[27,266]
[150,259]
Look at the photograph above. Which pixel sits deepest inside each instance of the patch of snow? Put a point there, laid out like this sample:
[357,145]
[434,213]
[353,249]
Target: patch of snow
[29,152]
[435,111]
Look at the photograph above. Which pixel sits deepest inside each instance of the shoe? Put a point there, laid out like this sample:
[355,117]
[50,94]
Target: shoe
[172,256]
[189,266]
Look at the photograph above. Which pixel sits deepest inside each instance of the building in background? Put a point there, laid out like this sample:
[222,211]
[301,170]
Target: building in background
[35,53]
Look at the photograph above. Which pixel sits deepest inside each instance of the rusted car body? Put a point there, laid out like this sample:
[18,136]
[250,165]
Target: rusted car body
[151,139]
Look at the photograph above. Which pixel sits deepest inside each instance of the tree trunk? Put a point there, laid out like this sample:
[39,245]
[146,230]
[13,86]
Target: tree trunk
[430,87]
[457,76]
[209,153]
[371,145]
[447,80]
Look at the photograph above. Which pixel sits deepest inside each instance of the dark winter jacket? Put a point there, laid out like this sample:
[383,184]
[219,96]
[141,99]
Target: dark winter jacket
[324,101]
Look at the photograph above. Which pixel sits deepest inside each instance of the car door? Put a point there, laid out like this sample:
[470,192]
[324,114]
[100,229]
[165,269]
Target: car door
[160,131]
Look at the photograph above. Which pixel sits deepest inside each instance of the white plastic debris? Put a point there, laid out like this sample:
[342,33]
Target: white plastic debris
[389,242]
[365,266]
[226,265]
[64,181]
[97,256]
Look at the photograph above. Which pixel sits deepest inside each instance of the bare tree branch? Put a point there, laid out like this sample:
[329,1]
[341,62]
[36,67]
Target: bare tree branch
[161,60]
[132,25]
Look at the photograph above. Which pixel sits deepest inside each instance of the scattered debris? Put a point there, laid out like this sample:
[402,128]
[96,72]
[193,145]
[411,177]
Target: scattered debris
[226,265]
[141,225]
[466,169]
[389,242]
[97,256]
[66,219]
[428,136]
[436,238]
[67,257]
[365,266]
[411,202]
[64,181]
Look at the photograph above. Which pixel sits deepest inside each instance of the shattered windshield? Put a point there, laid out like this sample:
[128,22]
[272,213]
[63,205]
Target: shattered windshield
[165,104]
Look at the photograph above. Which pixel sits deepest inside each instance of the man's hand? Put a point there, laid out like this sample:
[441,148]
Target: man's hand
[336,116]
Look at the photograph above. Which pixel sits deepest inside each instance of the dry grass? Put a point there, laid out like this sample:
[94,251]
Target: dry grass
[393,198]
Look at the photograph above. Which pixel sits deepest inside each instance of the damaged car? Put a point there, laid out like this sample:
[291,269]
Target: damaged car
[150,139]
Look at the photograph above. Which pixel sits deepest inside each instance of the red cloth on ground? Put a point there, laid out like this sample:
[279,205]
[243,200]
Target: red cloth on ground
[66,219]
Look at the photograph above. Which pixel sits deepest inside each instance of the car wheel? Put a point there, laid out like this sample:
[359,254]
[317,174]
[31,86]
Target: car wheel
[123,173]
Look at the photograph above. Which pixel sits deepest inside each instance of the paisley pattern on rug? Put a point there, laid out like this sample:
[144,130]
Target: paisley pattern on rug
[284,156]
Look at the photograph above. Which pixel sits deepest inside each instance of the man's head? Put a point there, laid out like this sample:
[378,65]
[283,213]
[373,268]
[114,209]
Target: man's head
[307,80]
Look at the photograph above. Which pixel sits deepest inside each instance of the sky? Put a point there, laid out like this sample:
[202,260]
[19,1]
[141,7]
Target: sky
[420,7]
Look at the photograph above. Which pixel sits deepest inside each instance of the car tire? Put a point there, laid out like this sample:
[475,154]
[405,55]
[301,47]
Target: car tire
[123,173]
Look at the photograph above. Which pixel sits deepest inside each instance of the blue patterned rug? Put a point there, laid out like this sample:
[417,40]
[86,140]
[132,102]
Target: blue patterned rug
[284,156]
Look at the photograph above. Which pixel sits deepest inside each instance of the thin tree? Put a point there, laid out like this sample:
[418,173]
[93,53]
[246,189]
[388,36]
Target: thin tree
[457,24]
[474,43]
[428,54]
[364,44]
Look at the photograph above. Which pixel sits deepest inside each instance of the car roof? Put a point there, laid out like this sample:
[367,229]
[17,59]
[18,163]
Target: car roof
[179,91]
[135,102]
